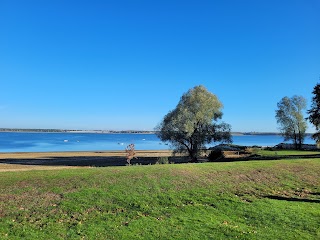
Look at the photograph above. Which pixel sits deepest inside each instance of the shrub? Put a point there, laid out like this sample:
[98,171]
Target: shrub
[130,153]
[253,150]
[216,155]
[162,160]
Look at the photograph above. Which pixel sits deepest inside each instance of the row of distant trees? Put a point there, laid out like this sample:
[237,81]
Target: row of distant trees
[195,121]
[290,117]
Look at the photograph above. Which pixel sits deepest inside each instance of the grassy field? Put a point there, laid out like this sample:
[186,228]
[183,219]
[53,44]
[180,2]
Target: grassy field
[243,200]
[286,153]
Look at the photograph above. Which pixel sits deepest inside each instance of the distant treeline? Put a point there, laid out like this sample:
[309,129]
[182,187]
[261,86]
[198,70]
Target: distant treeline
[122,131]
[31,130]
[261,133]
[72,131]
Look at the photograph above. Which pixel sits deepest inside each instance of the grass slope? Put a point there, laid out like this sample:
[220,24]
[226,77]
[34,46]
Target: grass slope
[243,200]
[281,152]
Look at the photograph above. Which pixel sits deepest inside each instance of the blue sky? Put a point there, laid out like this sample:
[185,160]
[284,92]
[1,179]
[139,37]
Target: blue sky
[125,64]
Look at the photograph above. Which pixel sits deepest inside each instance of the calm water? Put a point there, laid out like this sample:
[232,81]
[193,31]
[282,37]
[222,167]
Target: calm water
[47,142]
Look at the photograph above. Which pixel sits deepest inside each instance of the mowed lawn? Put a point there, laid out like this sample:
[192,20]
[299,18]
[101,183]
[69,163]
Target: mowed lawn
[237,200]
[281,152]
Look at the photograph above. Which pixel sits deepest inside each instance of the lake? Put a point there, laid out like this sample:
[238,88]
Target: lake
[53,142]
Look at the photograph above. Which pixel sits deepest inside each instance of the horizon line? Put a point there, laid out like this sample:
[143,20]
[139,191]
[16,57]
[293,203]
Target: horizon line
[116,131]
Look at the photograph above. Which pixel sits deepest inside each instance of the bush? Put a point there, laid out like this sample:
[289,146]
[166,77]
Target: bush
[253,150]
[130,153]
[162,160]
[216,155]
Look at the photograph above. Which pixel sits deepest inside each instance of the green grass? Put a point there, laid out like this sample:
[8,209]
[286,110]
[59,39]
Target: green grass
[243,200]
[286,152]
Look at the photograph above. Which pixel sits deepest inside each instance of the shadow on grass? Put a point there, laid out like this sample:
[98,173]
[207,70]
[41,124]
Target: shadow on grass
[259,157]
[95,161]
[106,161]
[292,199]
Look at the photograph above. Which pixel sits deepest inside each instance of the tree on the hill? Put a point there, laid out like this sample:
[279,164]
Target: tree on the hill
[314,112]
[194,123]
[289,116]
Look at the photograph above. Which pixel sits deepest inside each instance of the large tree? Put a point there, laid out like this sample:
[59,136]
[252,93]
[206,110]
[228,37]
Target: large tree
[289,116]
[314,112]
[194,123]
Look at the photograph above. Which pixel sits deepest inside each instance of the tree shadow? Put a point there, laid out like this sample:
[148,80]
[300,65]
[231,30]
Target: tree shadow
[96,161]
[259,158]
[292,199]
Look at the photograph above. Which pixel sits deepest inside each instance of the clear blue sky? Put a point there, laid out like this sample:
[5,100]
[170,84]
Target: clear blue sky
[125,64]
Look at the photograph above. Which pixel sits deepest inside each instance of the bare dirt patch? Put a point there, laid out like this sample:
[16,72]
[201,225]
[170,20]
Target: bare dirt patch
[28,200]
[20,167]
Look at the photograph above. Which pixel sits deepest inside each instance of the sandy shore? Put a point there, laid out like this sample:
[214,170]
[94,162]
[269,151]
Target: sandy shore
[60,160]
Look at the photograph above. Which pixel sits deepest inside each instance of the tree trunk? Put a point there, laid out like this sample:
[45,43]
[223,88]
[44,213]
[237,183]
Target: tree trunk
[194,160]
[193,155]
[299,137]
[300,141]
[295,140]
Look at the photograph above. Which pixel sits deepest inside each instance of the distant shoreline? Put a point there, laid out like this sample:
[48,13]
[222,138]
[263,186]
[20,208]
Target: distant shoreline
[22,130]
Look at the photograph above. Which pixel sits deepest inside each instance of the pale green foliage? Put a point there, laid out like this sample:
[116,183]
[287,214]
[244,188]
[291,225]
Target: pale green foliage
[290,119]
[193,123]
